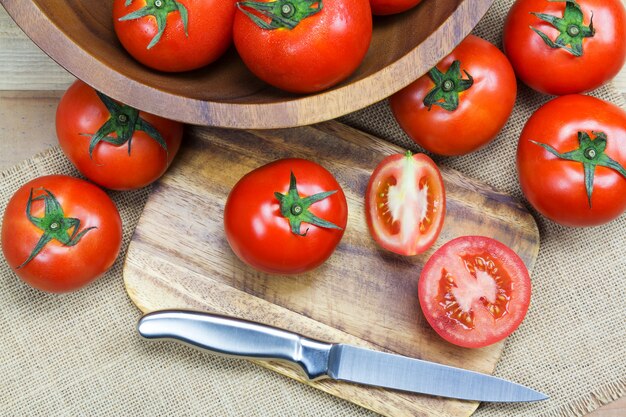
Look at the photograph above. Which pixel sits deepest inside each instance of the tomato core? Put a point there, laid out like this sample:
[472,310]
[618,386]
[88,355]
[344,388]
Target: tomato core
[485,287]
[474,291]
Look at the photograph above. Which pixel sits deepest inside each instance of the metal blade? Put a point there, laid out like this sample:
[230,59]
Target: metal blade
[364,366]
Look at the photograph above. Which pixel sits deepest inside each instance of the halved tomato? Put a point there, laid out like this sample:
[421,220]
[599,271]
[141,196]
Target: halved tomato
[474,291]
[405,203]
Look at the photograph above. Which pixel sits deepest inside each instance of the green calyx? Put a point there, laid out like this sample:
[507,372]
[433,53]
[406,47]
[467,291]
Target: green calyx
[124,121]
[159,9]
[296,209]
[282,14]
[54,224]
[447,88]
[571,28]
[591,154]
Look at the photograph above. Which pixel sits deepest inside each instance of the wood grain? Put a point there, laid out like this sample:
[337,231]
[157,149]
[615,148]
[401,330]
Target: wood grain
[26,124]
[78,34]
[362,295]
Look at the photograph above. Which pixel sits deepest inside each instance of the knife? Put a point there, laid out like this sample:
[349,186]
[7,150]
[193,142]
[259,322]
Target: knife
[240,338]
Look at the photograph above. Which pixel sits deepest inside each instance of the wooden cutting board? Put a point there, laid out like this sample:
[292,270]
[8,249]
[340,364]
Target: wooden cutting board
[363,295]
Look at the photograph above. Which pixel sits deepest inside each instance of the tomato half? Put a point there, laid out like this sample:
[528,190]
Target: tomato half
[60,233]
[285,217]
[387,7]
[405,203]
[303,46]
[453,113]
[474,291]
[193,33]
[112,144]
[555,49]
[571,158]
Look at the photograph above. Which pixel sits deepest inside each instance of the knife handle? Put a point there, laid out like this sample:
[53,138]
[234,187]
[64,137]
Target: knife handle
[237,338]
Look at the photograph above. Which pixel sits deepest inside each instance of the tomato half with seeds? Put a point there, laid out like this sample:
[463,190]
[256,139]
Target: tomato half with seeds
[114,145]
[474,291]
[60,233]
[566,47]
[286,217]
[405,203]
[303,46]
[387,7]
[174,35]
[460,105]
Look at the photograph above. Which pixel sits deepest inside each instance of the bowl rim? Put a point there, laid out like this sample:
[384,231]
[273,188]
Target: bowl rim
[294,112]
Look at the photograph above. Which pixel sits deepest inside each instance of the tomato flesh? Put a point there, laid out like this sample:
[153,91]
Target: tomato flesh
[405,203]
[474,291]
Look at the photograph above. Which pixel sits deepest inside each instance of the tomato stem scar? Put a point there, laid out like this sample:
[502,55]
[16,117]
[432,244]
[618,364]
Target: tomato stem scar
[296,209]
[123,121]
[282,14]
[159,9]
[591,154]
[54,224]
[448,86]
[571,29]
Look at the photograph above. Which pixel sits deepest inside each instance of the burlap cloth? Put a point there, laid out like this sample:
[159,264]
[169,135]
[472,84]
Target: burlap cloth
[79,354]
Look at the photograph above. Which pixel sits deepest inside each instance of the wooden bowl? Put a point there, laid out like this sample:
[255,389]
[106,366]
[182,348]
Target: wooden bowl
[79,35]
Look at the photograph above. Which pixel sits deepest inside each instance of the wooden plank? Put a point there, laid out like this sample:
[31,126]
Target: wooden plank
[23,65]
[179,257]
[26,124]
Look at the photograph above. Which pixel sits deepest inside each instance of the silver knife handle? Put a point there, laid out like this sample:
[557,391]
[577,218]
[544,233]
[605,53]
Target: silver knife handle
[234,337]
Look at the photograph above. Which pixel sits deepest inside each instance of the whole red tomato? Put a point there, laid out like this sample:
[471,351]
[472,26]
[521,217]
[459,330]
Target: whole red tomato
[114,145]
[571,158]
[60,233]
[555,48]
[285,217]
[386,7]
[303,46]
[474,291]
[405,203]
[462,103]
[174,35]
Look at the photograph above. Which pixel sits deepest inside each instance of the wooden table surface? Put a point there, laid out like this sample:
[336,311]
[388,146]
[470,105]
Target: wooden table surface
[30,87]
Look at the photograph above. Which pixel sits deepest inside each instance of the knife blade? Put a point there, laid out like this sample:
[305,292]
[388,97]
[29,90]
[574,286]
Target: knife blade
[240,338]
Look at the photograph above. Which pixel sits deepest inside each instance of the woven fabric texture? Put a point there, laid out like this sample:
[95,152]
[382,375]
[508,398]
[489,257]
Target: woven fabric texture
[79,353]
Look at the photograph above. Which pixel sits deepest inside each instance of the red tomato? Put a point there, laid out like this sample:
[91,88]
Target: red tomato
[474,291]
[586,61]
[194,33]
[386,7]
[570,160]
[60,233]
[405,203]
[114,145]
[448,113]
[285,217]
[300,45]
